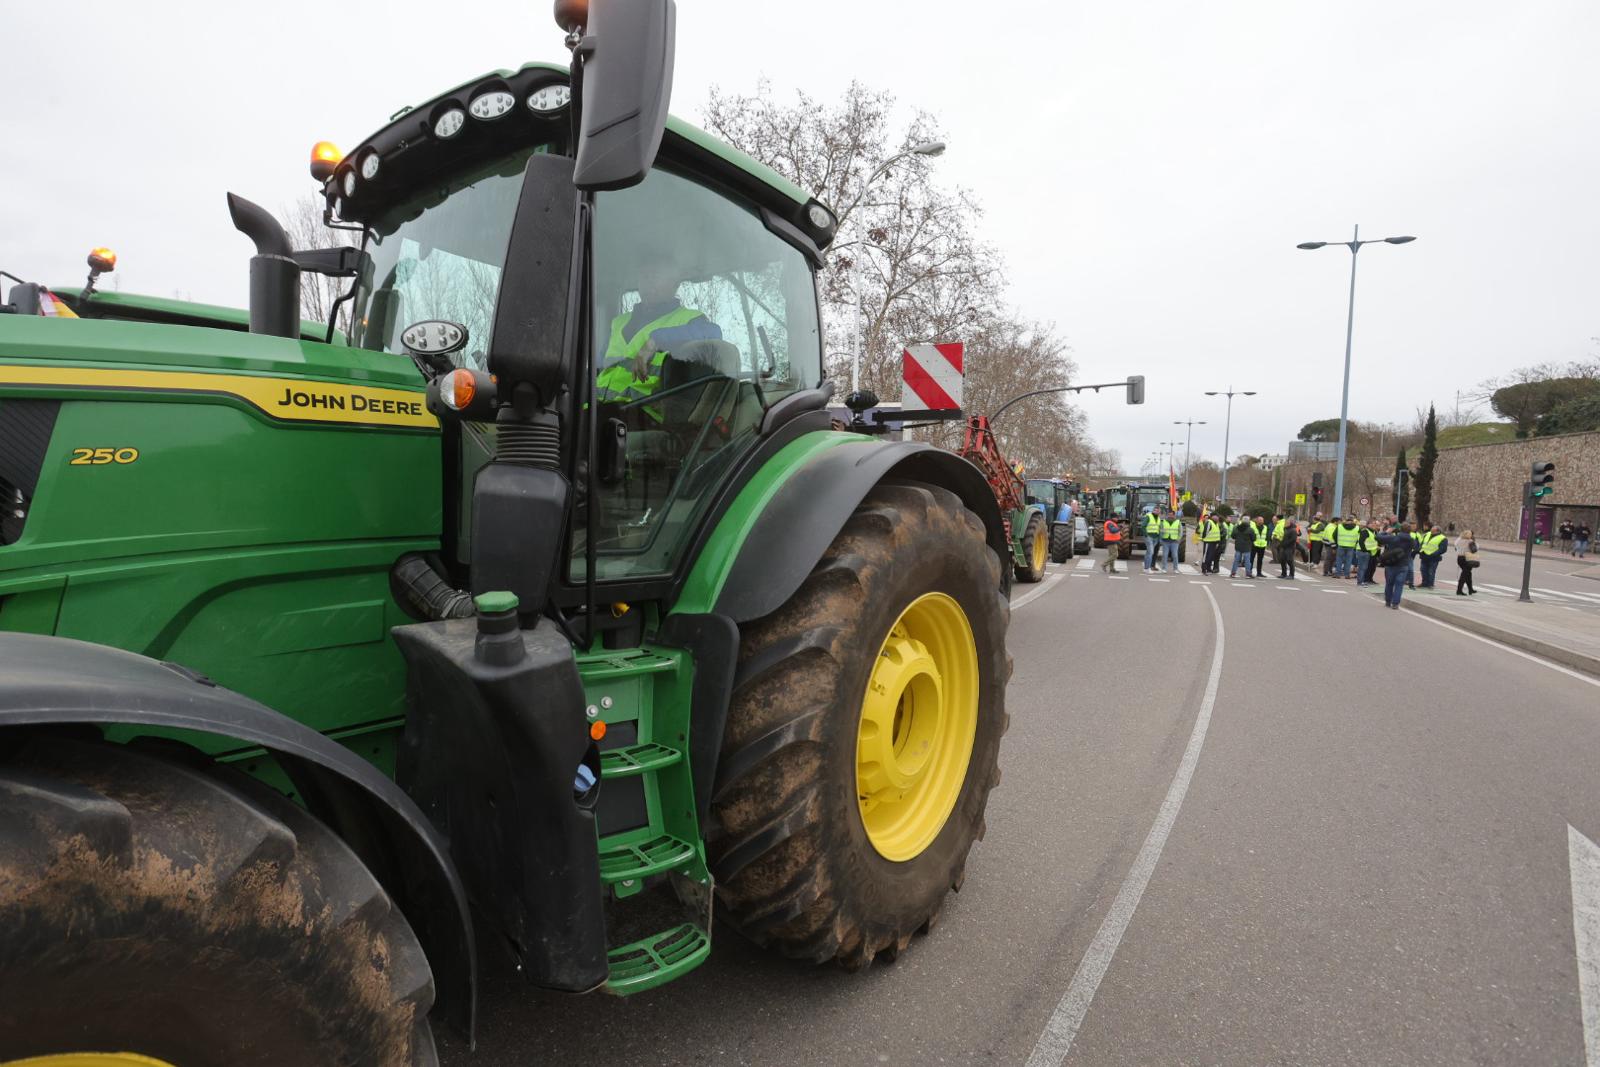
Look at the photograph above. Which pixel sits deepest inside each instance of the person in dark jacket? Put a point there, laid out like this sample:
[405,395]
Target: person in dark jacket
[1288,539]
[1244,548]
[1394,555]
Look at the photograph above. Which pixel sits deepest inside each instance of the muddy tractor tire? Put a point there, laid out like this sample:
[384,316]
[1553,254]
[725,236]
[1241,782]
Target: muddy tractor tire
[161,906]
[1035,548]
[1062,546]
[864,735]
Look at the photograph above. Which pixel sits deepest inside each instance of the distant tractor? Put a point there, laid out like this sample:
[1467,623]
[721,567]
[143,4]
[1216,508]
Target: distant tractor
[1129,502]
[1027,524]
[1054,495]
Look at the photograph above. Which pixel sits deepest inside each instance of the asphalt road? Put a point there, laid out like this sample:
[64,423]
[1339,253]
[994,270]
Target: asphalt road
[1368,861]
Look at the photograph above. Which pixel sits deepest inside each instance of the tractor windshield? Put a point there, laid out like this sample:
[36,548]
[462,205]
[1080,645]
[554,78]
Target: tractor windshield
[439,257]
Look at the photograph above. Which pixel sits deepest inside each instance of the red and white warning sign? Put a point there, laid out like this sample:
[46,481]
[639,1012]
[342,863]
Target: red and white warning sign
[933,376]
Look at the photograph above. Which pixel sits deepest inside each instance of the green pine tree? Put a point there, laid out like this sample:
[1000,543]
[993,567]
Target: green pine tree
[1430,453]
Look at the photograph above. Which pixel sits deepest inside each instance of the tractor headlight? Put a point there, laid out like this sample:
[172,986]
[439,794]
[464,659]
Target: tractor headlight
[492,105]
[449,124]
[349,182]
[369,166]
[550,98]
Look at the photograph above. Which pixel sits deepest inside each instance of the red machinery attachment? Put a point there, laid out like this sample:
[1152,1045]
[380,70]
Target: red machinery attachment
[980,449]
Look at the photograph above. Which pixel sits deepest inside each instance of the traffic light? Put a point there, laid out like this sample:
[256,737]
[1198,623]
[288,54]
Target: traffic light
[1543,475]
[1136,389]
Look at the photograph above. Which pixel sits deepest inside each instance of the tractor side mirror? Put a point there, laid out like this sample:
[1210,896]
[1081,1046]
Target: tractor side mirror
[625,50]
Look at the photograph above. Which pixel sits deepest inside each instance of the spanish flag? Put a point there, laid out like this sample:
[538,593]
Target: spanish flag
[52,305]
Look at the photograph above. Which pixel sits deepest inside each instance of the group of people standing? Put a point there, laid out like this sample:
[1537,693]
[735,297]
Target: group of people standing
[1573,538]
[1346,549]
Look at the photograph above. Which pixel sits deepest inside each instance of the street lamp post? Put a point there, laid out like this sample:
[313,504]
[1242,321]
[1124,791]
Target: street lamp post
[1354,244]
[1188,440]
[1227,429]
[926,148]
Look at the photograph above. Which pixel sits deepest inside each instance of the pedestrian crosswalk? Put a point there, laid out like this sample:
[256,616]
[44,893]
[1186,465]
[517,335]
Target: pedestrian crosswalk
[1561,596]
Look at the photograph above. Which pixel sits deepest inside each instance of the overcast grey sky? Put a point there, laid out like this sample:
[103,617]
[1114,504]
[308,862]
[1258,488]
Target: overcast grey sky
[1147,168]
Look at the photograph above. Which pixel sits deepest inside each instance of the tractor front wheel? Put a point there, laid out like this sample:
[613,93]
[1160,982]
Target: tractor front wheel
[1035,548]
[864,734]
[169,912]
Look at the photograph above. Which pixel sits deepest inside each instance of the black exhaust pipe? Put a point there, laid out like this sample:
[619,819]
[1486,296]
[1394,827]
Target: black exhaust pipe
[274,275]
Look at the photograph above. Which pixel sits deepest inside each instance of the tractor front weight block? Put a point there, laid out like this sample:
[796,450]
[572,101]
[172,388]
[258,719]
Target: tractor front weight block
[491,751]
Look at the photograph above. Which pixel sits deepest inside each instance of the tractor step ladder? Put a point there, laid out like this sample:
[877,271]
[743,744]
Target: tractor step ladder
[648,830]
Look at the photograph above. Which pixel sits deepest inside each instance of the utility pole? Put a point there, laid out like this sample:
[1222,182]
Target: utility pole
[1188,440]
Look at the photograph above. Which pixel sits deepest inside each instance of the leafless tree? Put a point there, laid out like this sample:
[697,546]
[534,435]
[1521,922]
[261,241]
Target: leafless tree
[909,262]
[302,221]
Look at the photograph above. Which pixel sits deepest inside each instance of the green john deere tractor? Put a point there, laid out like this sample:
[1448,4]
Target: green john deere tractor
[513,630]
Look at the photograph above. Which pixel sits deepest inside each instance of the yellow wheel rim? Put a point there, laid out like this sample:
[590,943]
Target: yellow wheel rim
[918,720]
[88,1059]
[1041,547]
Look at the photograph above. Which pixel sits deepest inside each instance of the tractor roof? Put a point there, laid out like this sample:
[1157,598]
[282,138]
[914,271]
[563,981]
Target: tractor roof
[409,147]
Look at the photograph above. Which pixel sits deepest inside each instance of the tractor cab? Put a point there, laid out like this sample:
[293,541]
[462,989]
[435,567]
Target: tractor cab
[677,311]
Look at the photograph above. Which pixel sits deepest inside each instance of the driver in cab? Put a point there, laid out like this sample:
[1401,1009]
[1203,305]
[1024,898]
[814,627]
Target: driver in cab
[641,340]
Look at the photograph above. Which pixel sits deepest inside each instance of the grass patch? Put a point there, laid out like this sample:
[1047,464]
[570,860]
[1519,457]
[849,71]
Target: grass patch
[1477,433]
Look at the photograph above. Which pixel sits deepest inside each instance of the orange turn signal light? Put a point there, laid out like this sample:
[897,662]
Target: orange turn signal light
[457,389]
[597,729]
[102,260]
[325,156]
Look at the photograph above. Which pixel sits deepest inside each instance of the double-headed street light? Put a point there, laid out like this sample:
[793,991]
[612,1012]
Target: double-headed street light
[1188,440]
[1227,429]
[1354,245]
[926,148]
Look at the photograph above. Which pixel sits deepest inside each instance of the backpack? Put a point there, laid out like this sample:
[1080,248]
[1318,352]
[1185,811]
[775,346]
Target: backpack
[1394,555]
[1472,546]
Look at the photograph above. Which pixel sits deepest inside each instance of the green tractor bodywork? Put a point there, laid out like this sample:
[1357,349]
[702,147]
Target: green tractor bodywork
[238,504]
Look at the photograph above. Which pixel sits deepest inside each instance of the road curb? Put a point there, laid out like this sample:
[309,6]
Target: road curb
[1565,656]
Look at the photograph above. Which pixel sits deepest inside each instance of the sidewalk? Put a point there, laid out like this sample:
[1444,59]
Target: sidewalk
[1571,639]
[1589,566]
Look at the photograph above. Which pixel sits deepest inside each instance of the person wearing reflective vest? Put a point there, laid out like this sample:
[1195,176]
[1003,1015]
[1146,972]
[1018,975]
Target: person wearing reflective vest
[640,341]
[1431,549]
[1345,536]
[1111,534]
[1410,529]
[1171,538]
[1152,539]
[1366,545]
[1258,555]
[1329,556]
[1314,536]
[1211,540]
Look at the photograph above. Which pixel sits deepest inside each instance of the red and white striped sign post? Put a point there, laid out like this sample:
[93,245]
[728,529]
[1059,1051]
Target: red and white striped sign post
[933,376]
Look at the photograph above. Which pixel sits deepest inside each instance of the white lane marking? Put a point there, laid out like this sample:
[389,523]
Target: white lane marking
[1056,1040]
[1586,598]
[1199,581]
[1034,594]
[1288,588]
[1514,651]
[1086,564]
[1160,579]
[1188,568]
[1583,860]
[1337,592]
[1119,577]
[1080,576]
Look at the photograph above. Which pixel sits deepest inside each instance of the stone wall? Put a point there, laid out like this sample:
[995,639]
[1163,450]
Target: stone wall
[1480,487]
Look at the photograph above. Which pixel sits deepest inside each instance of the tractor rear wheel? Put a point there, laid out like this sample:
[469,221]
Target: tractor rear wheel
[1035,548]
[166,909]
[864,735]
[1062,544]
